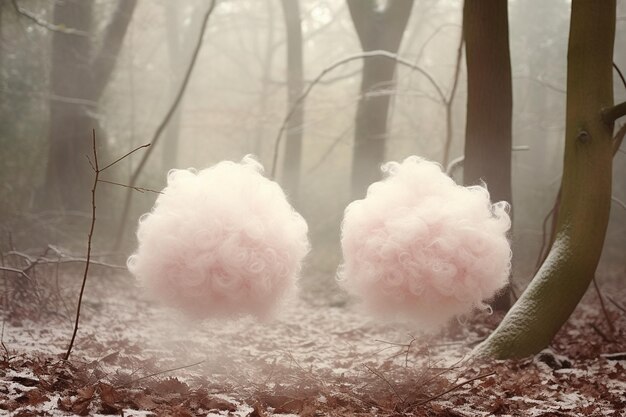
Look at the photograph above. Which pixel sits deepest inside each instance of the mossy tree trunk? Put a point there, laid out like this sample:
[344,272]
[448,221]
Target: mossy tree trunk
[566,273]
[488,131]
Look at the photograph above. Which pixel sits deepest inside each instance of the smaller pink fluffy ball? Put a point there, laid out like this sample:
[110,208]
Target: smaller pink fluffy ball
[219,242]
[419,246]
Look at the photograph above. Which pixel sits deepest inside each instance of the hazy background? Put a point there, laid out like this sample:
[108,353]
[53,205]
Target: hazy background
[236,101]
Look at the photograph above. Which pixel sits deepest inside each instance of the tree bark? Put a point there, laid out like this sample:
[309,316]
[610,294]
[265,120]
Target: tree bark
[377,30]
[295,84]
[586,192]
[488,132]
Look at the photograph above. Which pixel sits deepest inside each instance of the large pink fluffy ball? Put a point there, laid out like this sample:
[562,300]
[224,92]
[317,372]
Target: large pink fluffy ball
[422,247]
[221,241]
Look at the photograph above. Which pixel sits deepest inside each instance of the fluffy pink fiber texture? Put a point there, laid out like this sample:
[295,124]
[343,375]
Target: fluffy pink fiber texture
[421,247]
[222,241]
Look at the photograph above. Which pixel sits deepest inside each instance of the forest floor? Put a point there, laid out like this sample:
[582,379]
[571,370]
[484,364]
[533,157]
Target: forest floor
[317,358]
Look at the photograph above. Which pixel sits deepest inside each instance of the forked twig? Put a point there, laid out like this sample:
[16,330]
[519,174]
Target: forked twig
[97,170]
[90,236]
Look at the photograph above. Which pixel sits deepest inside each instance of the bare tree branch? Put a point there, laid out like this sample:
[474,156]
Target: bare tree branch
[611,114]
[45,24]
[164,122]
[15,270]
[316,80]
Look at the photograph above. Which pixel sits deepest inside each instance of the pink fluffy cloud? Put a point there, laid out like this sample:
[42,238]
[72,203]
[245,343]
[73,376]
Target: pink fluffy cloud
[422,247]
[222,241]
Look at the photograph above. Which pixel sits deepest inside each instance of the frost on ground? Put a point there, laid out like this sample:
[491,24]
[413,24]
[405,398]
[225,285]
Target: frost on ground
[314,359]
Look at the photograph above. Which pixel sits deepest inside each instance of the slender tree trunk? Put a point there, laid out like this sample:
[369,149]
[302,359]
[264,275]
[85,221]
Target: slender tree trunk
[488,132]
[586,192]
[174,49]
[266,72]
[377,30]
[295,84]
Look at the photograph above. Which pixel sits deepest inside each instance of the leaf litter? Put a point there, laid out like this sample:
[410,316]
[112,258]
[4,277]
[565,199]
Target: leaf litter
[134,358]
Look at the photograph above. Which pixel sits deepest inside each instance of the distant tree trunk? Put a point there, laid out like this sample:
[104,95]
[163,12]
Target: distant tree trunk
[266,72]
[174,49]
[77,81]
[295,84]
[377,30]
[488,132]
[67,175]
[570,266]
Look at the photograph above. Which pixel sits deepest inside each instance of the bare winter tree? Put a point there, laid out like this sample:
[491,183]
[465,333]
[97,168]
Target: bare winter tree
[78,77]
[377,29]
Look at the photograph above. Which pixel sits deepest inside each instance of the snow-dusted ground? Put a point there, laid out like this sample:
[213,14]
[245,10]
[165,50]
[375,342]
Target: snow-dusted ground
[312,359]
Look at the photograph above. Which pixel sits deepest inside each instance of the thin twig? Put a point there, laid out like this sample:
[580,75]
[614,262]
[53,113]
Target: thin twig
[47,25]
[316,80]
[619,72]
[164,123]
[139,189]
[381,376]
[125,155]
[546,242]
[159,373]
[618,202]
[616,304]
[90,236]
[606,313]
[62,259]
[455,387]
[618,139]
[458,161]
[601,333]
[17,271]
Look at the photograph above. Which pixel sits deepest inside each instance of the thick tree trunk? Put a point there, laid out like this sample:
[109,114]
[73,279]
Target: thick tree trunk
[586,192]
[377,30]
[488,132]
[295,84]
